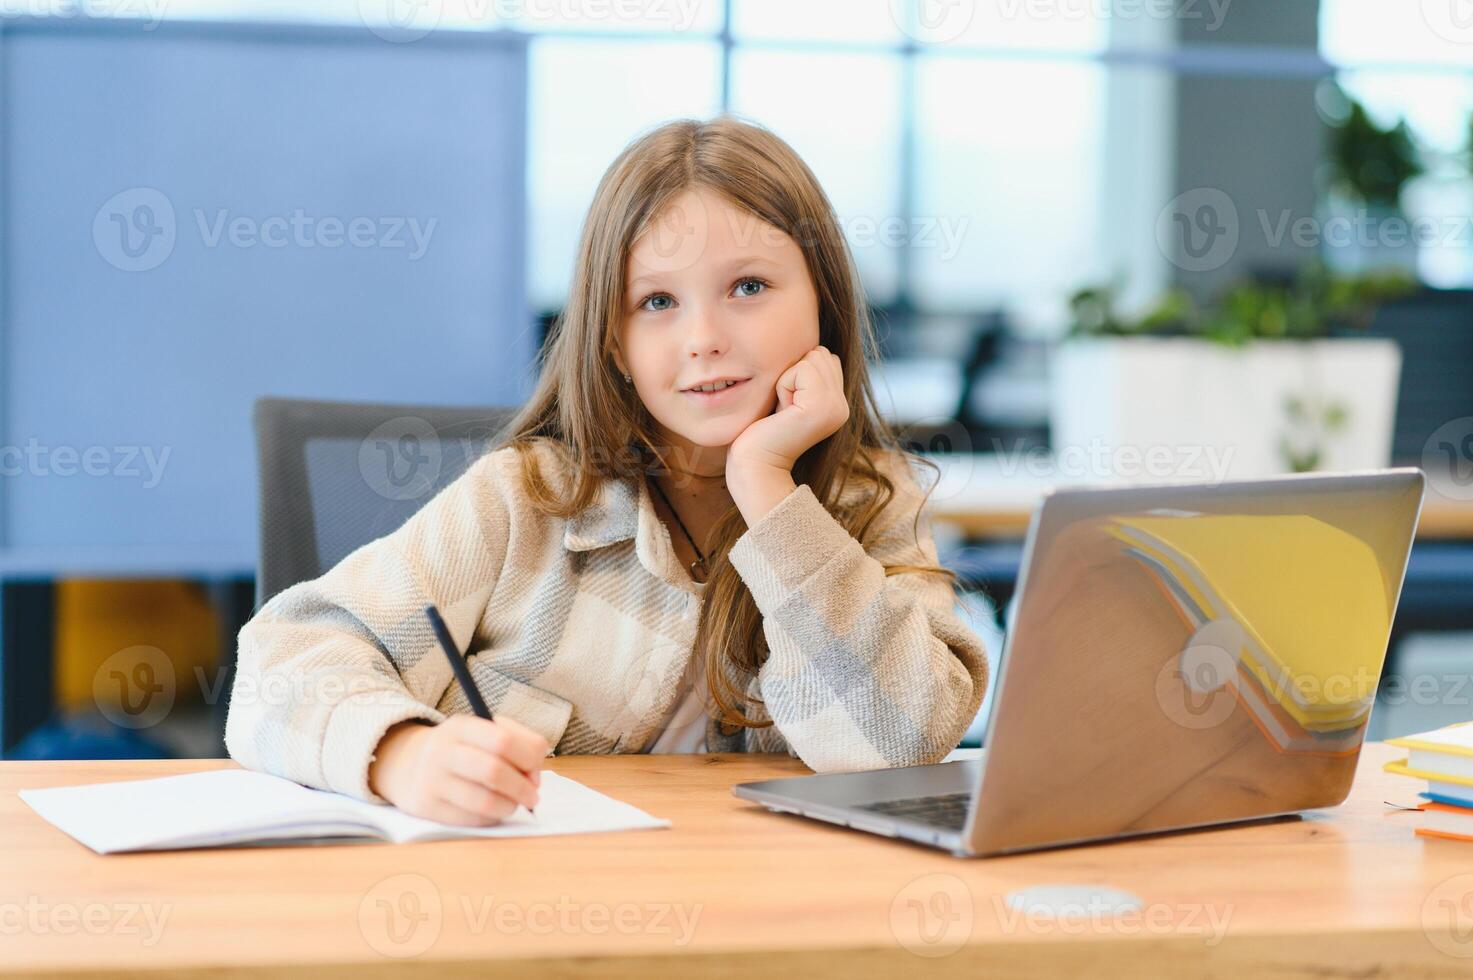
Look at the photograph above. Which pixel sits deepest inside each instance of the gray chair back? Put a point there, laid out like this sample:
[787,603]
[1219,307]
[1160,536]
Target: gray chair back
[336,475]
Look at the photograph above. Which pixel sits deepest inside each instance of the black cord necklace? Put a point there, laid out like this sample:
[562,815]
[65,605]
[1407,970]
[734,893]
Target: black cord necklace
[697,567]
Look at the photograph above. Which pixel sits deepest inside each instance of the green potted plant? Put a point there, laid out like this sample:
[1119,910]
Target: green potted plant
[1369,166]
[1267,378]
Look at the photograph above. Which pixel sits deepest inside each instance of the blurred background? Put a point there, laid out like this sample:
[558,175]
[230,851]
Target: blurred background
[1104,240]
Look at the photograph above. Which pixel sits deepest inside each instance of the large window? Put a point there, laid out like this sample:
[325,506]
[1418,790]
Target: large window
[1414,61]
[980,155]
[1008,166]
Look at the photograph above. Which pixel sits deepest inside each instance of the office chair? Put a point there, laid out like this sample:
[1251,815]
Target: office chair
[1434,328]
[336,475]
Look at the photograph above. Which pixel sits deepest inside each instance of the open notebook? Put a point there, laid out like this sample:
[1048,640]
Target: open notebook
[240,806]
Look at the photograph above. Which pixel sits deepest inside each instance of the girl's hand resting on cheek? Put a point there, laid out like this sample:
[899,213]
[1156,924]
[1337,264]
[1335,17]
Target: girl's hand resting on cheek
[810,407]
[465,770]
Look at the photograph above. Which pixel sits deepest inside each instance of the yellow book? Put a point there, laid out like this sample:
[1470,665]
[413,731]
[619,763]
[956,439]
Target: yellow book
[1444,753]
[1403,767]
[1320,661]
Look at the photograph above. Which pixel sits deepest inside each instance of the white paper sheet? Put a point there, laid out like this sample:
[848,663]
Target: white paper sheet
[241,806]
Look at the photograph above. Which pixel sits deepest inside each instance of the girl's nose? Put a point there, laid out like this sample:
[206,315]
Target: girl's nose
[707,335]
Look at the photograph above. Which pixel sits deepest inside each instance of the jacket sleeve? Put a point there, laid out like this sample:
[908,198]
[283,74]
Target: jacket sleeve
[864,670]
[327,666]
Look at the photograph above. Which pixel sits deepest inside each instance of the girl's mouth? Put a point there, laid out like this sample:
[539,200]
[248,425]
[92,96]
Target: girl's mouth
[718,396]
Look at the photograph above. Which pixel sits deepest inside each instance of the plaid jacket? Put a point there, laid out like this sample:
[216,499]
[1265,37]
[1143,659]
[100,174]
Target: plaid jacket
[581,629]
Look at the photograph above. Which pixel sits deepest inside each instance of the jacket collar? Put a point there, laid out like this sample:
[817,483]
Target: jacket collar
[612,517]
[623,510]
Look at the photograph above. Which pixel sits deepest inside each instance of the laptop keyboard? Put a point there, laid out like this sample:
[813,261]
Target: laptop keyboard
[948,810]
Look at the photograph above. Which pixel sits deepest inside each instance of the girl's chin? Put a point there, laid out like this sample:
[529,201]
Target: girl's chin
[713,433]
[706,440]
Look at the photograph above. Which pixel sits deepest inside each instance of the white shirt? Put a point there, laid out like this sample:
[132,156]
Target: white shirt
[685,729]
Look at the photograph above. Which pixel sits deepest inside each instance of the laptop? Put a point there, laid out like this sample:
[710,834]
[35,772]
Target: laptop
[1181,656]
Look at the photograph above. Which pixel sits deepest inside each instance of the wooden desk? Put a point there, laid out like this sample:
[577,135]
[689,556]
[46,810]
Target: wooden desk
[1344,891]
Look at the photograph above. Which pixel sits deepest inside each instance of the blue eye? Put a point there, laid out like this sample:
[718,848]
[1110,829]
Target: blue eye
[745,280]
[752,279]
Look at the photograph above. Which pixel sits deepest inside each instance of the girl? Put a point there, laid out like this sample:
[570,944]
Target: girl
[698,535]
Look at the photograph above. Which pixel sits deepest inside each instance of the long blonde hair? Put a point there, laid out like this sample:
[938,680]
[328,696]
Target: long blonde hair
[602,429]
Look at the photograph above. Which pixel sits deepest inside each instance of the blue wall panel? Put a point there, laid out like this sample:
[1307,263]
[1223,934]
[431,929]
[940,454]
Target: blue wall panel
[179,238]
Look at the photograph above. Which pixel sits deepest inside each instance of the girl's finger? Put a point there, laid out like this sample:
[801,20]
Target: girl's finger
[806,378]
[827,363]
[476,799]
[505,737]
[493,772]
[835,370]
[785,390]
[447,812]
[787,384]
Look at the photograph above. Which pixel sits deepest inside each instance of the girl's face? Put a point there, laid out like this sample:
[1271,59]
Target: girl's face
[713,292]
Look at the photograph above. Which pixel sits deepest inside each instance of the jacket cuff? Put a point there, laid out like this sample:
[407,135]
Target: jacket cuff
[352,736]
[791,542]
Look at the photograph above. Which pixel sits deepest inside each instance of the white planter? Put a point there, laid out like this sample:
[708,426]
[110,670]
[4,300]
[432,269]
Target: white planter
[1181,408]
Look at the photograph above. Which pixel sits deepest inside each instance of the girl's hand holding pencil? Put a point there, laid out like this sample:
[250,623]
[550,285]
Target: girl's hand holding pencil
[468,770]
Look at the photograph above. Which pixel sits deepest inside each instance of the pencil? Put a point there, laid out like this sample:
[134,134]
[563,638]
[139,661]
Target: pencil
[458,667]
